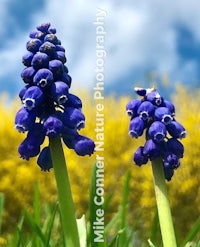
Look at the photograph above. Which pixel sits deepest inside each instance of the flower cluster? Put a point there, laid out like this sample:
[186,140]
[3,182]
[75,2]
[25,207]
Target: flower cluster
[48,107]
[156,117]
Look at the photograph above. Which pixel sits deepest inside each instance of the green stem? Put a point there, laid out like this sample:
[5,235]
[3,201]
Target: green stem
[164,212]
[66,205]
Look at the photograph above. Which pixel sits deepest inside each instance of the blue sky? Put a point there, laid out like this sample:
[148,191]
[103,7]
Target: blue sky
[145,40]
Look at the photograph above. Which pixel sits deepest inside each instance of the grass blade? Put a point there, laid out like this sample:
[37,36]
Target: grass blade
[2,198]
[192,233]
[124,203]
[35,228]
[50,225]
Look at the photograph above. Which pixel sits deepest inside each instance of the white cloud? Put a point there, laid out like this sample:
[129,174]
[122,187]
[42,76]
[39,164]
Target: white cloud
[140,34]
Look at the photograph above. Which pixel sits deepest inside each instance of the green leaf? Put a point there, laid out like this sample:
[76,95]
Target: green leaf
[192,233]
[50,225]
[35,228]
[124,203]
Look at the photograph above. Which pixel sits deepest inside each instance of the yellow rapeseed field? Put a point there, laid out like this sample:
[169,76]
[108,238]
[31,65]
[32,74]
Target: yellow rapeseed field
[18,177]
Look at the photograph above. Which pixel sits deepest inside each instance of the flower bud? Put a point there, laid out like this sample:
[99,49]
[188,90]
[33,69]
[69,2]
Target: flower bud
[44,27]
[33,45]
[40,60]
[60,55]
[56,67]
[48,48]
[28,74]
[52,38]
[27,58]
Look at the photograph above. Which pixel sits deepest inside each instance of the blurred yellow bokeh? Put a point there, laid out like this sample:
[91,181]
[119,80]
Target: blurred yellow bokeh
[18,177]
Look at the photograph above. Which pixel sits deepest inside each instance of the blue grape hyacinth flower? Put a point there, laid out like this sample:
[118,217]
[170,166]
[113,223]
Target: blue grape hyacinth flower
[155,116]
[48,107]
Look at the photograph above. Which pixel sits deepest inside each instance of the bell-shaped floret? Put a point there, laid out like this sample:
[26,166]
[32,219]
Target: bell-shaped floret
[53,126]
[132,107]
[155,98]
[176,147]
[139,157]
[28,148]
[24,120]
[136,127]
[59,91]
[171,161]
[44,159]
[163,114]
[66,78]
[83,145]
[168,173]
[157,131]
[146,110]
[170,106]
[73,101]
[37,133]
[151,149]
[176,130]
[73,118]
[32,97]
[43,78]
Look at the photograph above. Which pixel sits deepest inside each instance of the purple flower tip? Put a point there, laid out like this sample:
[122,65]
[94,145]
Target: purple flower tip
[139,157]
[84,146]
[136,127]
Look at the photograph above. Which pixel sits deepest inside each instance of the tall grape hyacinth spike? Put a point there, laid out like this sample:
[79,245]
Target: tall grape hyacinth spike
[48,108]
[155,116]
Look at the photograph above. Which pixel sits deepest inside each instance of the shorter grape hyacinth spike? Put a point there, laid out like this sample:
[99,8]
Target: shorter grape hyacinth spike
[155,116]
[48,107]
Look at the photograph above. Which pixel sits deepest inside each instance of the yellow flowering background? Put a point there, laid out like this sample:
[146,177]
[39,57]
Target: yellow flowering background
[18,177]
